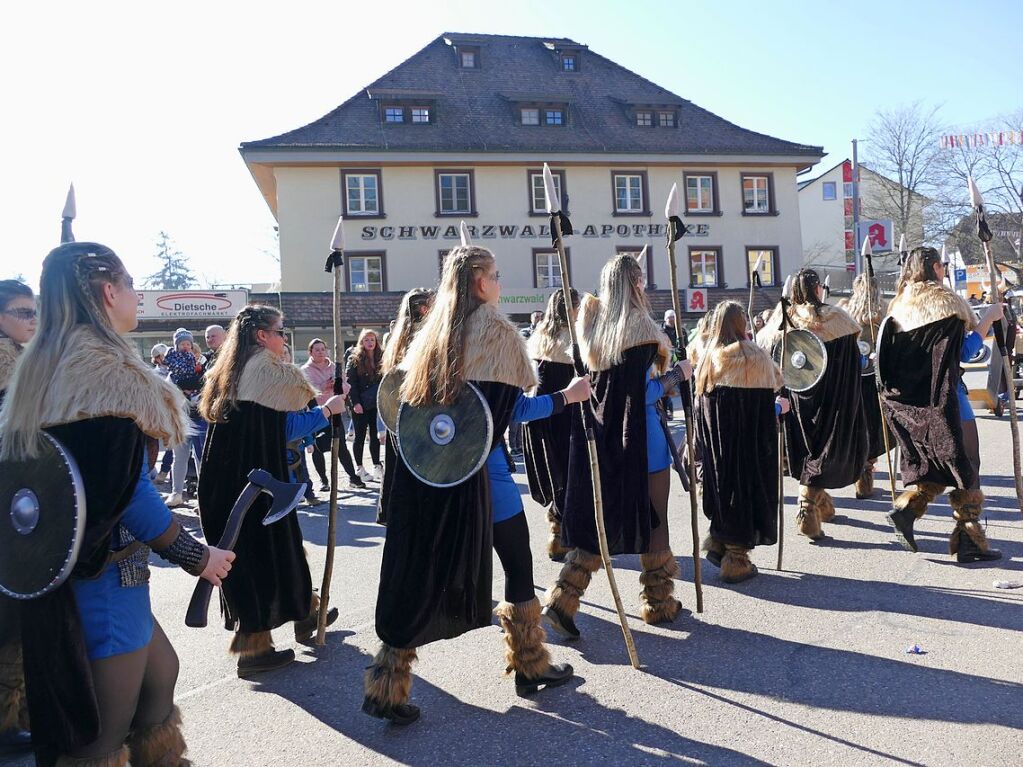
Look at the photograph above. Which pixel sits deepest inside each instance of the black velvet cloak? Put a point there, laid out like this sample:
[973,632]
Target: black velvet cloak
[436,576]
[872,416]
[9,627]
[737,430]
[270,583]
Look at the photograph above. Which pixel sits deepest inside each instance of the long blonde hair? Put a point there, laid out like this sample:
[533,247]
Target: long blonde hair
[727,325]
[621,291]
[410,317]
[555,319]
[220,390]
[70,295]
[436,374]
[865,302]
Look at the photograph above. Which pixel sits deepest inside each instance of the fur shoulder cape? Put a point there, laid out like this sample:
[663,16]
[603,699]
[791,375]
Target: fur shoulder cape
[8,356]
[921,303]
[640,329]
[829,323]
[96,379]
[496,351]
[546,349]
[741,365]
[271,382]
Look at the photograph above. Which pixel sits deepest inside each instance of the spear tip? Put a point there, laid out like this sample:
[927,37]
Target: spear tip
[976,200]
[671,207]
[551,196]
[337,242]
[70,207]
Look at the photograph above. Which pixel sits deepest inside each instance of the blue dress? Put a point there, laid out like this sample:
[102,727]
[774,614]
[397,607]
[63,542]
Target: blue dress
[972,342]
[505,499]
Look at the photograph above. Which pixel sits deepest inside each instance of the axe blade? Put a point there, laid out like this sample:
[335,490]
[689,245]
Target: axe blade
[285,496]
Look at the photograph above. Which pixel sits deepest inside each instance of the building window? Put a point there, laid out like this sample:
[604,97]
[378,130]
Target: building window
[362,193]
[554,116]
[766,265]
[644,119]
[365,273]
[629,193]
[420,114]
[701,195]
[455,193]
[568,62]
[703,267]
[546,269]
[530,116]
[666,119]
[469,58]
[394,114]
[830,190]
[847,190]
[756,194]
[537,196]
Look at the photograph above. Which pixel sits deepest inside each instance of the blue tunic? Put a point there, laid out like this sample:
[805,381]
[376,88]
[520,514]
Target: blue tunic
[658,454]
[505,499]
[972,342]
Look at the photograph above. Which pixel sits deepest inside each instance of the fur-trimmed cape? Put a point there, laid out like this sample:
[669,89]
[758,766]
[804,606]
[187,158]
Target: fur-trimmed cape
[271,382]
[921,303]
[543,348]
[827,323]
[742,365]
[496,351]
[9,352]
[640,329]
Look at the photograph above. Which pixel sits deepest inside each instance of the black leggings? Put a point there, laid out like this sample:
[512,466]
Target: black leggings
[511,542]
[343,457]
[366,420]
[971,442]
[133,690]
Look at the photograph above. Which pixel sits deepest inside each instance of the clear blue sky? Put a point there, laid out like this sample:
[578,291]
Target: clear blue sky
[144,108]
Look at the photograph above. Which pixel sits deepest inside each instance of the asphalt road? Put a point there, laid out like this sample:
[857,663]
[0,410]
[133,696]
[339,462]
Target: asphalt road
[802,667]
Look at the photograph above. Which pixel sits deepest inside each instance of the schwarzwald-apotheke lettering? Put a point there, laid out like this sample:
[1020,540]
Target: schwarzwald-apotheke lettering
[512,231]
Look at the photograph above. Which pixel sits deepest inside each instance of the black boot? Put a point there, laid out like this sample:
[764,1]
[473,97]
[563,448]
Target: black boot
[400,714]
[902,521]
[560,623]
[556,676]
[268,661]
[970,552]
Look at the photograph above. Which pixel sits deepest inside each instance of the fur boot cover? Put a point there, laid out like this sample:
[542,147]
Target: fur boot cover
[921,303]
[12,686]
[9,352]
[828,323]
[808,519]
[639,329]
[919,498]
[572,581]
[966,508]
[271,382]
[118,758]
[388,681]
[658,578]
[554,547]
[713,546]
[825,506]
[160,745]
[736,566]
[865,482]
[524,638]
[546,349]
[251,645]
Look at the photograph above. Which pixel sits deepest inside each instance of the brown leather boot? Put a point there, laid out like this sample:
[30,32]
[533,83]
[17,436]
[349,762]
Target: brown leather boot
[909,507]
[658,578]
[159,745]
[865,482]
[808,519]
[968,541]
[555,550]
[736,566]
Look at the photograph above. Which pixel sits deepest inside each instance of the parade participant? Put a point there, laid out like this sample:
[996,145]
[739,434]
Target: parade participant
[319,370]
[17,326]
[100,671]
[735,426]
[867,311]
[415,305]
[364,374]
[435,579]
[546,441]
[628,357]
[256,404]
[826,439]
[928,407]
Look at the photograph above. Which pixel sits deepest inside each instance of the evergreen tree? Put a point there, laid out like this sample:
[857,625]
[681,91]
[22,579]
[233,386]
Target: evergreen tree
[174,272]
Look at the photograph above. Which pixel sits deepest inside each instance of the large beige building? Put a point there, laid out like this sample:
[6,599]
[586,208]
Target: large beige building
[460,131]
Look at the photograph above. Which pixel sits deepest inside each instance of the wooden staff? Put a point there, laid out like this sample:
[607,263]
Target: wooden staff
[554,208]
[784,304]
[675,230]
[334,263]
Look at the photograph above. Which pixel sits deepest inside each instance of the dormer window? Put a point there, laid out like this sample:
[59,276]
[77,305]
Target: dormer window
[644,119]
[394,114]
[469,58]
[666,119]
[420,114]
[529,116]
[554,117]
[569,62]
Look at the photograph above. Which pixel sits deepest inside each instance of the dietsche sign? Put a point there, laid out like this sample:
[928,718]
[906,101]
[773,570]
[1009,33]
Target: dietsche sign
[191,304]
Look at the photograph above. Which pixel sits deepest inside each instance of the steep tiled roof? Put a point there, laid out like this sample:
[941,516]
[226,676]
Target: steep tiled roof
[475,110]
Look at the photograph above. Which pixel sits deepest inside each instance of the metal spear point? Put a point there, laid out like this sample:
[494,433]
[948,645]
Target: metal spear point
[553,204]
[463,233]
[985,236]
[67,216]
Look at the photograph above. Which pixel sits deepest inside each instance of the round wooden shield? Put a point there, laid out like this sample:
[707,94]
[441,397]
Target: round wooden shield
[444,445]
[388,399]
[866,347]
[805,361]
[42,521]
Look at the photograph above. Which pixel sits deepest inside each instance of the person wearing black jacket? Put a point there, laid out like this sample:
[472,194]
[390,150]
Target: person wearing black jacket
[364,374]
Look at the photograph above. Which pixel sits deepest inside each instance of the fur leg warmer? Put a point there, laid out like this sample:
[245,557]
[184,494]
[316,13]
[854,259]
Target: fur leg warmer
[658,578]
[966,508]
[808,518]
[736,566]
[12,686]
[524,638]
[251,645]
[388,681]
[865,482]
[118,758]
[159,745]
[825,506]
[554,548]
[713,546]
[918,498]
[572,581]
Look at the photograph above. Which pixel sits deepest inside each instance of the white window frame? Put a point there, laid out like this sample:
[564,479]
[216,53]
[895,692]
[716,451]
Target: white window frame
[758,193]
[454,193]
[833,186]
[547,269]
[767,275]
[703,184]
[399,111]
[360,265]
[698,275]
[644,118]
[361,209]
[629,189]
[471,56]
[569,58]
[537,195]
[666,119]
[534,115]
[417,119]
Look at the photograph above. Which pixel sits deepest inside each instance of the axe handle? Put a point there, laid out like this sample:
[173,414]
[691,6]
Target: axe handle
[199,605]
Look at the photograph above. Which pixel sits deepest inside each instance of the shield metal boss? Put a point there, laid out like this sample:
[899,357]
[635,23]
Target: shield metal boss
[805,361]
[42,520]
[388,399]
[444,445]
[866,347]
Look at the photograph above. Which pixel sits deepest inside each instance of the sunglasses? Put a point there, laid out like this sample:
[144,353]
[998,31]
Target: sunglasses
[282,332]
[22,313]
